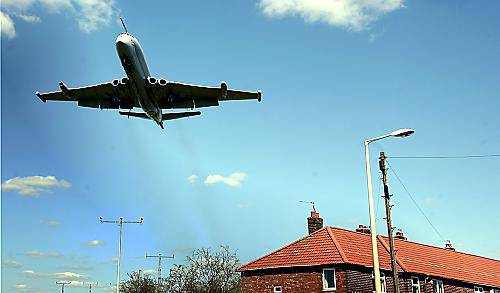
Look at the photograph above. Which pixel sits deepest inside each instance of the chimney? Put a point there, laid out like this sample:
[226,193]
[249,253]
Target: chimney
[448,246]
[314,222]
[400,235]
[363,229]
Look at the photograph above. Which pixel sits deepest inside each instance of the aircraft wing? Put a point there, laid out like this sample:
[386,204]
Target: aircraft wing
[181,95]
[110,95]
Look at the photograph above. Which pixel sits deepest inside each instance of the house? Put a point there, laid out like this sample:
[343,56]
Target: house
[332,259]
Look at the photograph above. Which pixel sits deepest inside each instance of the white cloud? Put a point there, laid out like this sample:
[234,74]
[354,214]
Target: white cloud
[193,178]
[8,29]
[24,288]
[59,276]
[29,18]
[233,180]
[350,14]
[76,267]
[34,185]
[90,14]
[50,223]
[38,254]
[93,243]
[150,272]
[243,206]
[11,264]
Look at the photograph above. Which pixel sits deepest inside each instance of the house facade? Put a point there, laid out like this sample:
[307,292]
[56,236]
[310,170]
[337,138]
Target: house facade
[333,259]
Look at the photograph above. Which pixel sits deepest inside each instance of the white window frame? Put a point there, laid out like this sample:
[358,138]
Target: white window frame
[478,289]
[413,284]
[275,288]
[438,284]
[325,284]
[383,284]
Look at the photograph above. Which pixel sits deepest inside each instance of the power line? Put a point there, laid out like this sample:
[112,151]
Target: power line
[415,202]
[446,157]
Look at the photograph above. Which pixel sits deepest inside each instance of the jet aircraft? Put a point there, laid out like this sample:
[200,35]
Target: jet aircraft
[140,89]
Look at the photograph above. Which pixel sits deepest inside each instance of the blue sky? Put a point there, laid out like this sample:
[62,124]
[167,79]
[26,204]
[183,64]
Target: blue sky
[330,79]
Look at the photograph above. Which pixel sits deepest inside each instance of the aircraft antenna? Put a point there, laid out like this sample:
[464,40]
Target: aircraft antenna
[124,27]
[309,202]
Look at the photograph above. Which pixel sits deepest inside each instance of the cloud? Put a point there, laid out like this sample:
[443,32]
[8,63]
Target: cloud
[150,272]
[29,18]
[38,254]
[193,178]
[90,14]
[76,267]
[232,180]
[59,276]
[243,206]
[34,185]
[24,288]
[50,223]
[8,29]
[353,15]
[11,264]
[93,243]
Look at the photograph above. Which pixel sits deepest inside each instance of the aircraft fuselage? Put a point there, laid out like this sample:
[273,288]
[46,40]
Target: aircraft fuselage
[133,62]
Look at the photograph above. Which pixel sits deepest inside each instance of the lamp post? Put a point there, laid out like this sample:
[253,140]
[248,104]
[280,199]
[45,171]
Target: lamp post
[376,270]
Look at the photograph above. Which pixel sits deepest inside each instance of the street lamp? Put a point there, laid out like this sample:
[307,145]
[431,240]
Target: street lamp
[404,132]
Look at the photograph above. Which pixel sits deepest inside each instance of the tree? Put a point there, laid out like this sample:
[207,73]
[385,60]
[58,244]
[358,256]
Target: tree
[206,271]
[140,283]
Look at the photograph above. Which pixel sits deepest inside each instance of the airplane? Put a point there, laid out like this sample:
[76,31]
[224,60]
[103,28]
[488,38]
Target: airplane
[140,89]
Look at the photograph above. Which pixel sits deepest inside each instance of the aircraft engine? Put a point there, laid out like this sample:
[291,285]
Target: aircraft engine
[124,80]
[223,89]
[151,80]
[162,82]
[115,82]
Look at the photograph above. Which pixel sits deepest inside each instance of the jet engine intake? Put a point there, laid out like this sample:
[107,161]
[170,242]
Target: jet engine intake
[115,82]
[152,80]
[162,82]
[223,89]
[124,80]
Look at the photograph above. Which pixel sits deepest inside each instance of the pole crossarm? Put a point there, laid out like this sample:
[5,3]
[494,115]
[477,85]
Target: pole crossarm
[62,285]
[160,257]
[120,222]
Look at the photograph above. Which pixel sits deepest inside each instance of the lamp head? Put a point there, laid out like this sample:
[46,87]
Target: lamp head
[404,132]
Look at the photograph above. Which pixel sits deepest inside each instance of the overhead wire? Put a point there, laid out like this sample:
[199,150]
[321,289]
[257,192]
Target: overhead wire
[415,202]
[446,157]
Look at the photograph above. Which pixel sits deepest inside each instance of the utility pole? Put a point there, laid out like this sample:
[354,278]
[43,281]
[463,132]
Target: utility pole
[120,222]
[159,256]
[388,208]
[62,285]
[90,286]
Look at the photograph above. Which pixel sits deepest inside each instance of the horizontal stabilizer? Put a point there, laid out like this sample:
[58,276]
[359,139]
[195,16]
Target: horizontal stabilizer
[135,114]
[166,116]
[172,116]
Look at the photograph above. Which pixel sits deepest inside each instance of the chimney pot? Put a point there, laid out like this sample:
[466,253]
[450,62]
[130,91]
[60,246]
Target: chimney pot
[448,246]
[314,222]
[363,229]
[400,235]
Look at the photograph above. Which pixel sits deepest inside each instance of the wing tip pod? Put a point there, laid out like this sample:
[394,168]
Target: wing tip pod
[39,95]
[259,95]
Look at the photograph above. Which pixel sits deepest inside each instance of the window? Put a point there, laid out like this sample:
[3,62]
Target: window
[329,282]
[415,285]
[478,289]
[383,285]
[437,286]
[277,289]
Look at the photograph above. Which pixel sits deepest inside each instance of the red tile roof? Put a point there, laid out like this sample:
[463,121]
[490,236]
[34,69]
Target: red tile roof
[339,246]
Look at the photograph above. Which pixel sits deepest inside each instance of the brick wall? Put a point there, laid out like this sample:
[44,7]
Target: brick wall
[297,280]
[350,279]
